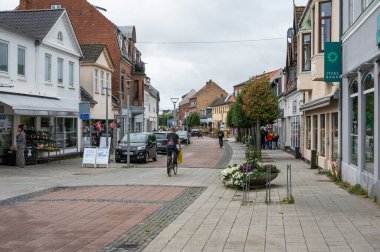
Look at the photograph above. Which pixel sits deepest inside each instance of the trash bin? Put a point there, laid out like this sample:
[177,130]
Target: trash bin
[313,159]
[298,153]
[9,157]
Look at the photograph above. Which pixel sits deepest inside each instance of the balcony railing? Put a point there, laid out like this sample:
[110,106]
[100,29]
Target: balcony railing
[140,67]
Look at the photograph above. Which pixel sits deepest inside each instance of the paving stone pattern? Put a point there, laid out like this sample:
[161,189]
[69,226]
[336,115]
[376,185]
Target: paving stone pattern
[137,238]
[89,218]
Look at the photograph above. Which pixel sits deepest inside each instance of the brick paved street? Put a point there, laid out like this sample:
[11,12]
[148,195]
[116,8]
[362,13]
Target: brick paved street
[201,153]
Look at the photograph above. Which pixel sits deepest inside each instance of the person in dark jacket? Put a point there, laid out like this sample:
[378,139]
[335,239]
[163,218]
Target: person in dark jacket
[21,145]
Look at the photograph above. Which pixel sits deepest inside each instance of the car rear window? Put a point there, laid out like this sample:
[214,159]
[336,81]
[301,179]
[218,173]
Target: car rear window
[160,136]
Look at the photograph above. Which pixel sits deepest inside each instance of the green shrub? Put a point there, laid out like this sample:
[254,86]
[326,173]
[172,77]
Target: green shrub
[252,154]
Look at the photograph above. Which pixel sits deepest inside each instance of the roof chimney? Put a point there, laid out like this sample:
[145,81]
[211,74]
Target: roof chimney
[23,4]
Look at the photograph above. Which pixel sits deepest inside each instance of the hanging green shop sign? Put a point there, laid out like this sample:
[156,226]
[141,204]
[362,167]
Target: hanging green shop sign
[333,61]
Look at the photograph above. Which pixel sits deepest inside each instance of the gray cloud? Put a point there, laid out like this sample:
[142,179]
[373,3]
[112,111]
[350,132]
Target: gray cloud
[176,68]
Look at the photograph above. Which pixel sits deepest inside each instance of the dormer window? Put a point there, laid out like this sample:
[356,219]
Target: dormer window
[60,37]
[55,6]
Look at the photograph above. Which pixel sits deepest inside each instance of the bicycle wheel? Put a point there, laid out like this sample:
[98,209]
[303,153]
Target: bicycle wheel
[175,169]
[168,166]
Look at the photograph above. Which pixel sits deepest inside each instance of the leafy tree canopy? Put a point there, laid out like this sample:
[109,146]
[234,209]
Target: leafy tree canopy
[259,101]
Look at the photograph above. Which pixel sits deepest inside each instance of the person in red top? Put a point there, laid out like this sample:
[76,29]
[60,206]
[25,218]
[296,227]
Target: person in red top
[270,139]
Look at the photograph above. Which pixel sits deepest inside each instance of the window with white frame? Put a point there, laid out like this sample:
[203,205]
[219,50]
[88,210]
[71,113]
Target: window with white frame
[108,82]
[71,73]
[369,101]
[21,61]
[60,71]
[102,83]
[96,81]
[60,37]
[354,103]
[3,57]
[306,52]
[323,135]
[48,67]
[350,12]
[325,11]
[308,132]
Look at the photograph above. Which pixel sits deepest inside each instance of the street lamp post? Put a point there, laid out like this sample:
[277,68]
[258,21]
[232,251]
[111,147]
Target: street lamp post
[107,130]
[128,127]
[174,101]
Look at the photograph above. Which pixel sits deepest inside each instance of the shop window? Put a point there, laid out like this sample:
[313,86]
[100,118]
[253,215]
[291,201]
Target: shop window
[315,132]
[47,124]
[308,132]
[21,61]
[70,132]
[354,103]
[6,128]
[29,123]
[324,24]
[65,133]
[306,52]
[335,136]
[3,57]
[323,135]
[369,101]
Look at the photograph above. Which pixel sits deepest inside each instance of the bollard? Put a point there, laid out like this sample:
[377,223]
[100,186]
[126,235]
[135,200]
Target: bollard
[289,195]
[268,186]
[246,183]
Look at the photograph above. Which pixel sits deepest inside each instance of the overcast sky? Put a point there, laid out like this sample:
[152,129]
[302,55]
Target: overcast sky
[175,69]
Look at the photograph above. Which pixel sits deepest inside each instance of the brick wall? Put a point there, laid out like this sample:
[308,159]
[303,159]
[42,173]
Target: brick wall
[209,93]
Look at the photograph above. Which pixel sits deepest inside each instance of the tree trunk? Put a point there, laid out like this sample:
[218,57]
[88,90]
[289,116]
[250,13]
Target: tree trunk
[258,135]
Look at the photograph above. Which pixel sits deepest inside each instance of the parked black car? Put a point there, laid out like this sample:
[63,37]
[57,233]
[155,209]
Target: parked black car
[143,146]
[184,136]
[162,141]
[195,132]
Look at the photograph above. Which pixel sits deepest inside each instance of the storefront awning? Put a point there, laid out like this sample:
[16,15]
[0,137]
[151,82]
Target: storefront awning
[317,103]
[20,104]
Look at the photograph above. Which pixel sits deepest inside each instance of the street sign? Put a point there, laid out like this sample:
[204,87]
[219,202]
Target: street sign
[84,116]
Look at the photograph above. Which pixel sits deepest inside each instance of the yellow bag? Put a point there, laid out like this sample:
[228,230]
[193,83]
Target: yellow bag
[179,159]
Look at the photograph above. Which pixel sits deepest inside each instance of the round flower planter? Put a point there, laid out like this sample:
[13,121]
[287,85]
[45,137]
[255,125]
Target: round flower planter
[261,180]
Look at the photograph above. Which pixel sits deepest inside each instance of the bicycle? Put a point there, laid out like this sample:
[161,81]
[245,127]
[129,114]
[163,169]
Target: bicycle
[221,143]
[170,163]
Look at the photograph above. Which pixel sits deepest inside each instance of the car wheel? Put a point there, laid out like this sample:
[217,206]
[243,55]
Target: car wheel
[146,157]
[117,160]
[155,157]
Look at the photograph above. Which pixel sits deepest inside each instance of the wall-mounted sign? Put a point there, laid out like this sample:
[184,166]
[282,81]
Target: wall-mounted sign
[333,61]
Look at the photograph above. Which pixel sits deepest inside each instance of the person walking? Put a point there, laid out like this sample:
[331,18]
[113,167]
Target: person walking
[275,139]
[21,145]
[270,139]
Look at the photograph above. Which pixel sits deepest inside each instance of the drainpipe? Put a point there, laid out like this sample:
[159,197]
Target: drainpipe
[340,90]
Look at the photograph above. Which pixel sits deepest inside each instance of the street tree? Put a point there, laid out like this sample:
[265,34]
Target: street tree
[260,104]
[236,116]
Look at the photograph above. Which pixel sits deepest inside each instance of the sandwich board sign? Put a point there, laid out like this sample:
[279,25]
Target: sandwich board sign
[102,156]
[89,156]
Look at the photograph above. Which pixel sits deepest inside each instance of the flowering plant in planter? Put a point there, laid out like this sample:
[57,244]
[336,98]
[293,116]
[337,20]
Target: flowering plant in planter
[236,174]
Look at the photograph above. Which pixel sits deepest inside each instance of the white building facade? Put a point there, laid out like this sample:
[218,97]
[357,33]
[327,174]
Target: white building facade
[41,64]
[361,95]
[151,104]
